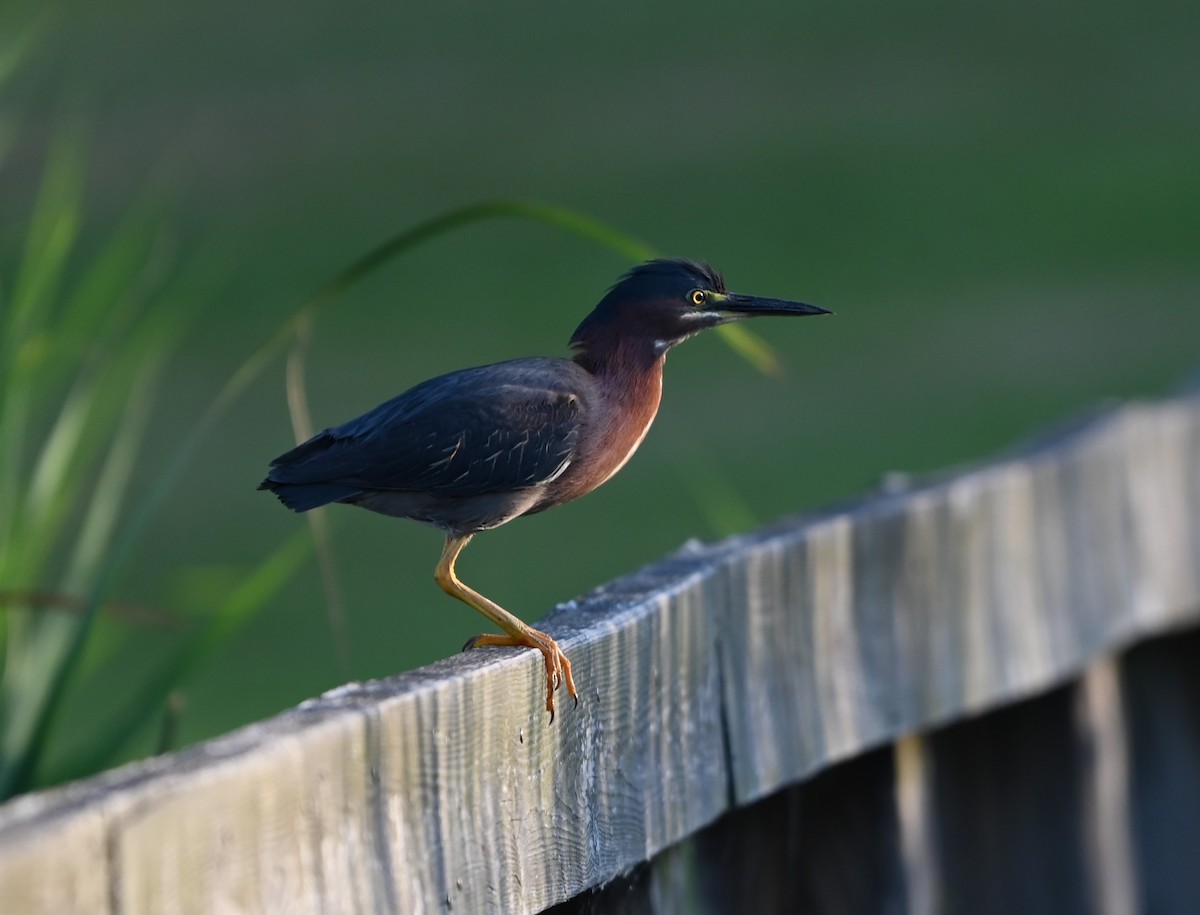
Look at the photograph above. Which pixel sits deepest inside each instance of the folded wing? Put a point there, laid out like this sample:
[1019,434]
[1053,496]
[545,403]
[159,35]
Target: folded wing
[492,429]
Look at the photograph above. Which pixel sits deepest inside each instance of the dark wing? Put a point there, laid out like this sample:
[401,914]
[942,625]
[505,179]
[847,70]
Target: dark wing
[492,429]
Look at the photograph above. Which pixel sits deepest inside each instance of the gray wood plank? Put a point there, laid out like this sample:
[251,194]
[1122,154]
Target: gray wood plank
[1009,815]
[55,862]
[707,681]
[1161,688]
[911,609]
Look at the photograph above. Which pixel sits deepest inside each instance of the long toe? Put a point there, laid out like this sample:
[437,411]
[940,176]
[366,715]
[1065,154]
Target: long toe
[558,668]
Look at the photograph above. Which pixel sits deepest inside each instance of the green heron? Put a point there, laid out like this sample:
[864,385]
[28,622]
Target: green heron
[469,451]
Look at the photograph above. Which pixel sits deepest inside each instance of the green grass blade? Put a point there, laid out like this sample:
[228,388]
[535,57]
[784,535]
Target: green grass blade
[256,590]
[52,234]
[112,483]
[17,39]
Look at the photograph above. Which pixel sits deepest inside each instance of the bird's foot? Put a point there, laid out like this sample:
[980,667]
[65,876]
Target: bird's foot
[558,668]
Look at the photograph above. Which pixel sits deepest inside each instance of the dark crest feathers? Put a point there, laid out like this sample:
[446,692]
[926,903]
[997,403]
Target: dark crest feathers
[703,275]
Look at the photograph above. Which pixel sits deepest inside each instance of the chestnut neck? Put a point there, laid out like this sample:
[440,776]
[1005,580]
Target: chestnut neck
[619,359]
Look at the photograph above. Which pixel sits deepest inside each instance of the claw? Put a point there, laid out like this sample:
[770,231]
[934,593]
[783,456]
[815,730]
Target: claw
[558,668]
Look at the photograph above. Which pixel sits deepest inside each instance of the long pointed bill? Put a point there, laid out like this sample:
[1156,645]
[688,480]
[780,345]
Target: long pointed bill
[735,306]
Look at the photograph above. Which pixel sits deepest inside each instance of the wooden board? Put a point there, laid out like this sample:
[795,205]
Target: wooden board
[707,681]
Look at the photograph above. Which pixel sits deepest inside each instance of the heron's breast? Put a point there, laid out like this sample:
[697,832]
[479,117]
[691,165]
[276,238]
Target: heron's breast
[617,424]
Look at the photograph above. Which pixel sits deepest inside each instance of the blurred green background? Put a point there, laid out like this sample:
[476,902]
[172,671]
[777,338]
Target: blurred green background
[1000,200]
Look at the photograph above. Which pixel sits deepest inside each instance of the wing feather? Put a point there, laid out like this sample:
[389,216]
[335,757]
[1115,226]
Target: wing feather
[492,429]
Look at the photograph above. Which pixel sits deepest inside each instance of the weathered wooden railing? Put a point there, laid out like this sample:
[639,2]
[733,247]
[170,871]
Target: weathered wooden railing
[836,712]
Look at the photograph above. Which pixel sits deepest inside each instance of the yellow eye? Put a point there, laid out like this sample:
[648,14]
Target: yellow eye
[697,296]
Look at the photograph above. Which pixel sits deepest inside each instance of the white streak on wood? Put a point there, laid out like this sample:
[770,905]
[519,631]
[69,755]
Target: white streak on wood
[1109,857]
[918,839]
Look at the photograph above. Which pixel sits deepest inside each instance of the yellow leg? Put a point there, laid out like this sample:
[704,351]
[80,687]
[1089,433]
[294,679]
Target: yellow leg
[558,668]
